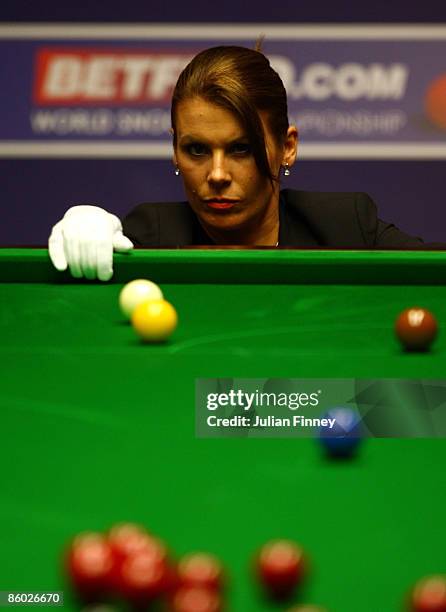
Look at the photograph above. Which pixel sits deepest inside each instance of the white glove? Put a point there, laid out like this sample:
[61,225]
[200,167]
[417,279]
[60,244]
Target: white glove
[84,241]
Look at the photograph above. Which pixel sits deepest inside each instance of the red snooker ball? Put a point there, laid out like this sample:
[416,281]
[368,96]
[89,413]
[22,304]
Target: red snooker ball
[280,567]
[141,570]
[416,328]
[90,565]
[200,570]
[127,539]
[429,595]
[142,578]
[196,599]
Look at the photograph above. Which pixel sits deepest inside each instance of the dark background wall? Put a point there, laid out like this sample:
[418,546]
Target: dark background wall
[35,193]
[196,11]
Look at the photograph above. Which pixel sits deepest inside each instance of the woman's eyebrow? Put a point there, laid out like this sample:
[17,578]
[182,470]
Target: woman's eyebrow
[192,137]
[202,139]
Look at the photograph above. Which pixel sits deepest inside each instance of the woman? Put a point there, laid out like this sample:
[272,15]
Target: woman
[231,141]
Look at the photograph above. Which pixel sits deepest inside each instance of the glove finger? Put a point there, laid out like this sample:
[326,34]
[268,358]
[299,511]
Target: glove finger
[121,244]
[104,260]
[55,248]
[88,260]
[72,254]
[115,223]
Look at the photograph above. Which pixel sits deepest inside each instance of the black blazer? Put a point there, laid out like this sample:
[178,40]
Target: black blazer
[307,220]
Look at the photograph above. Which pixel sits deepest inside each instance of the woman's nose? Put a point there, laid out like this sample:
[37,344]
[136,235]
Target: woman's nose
[218,172]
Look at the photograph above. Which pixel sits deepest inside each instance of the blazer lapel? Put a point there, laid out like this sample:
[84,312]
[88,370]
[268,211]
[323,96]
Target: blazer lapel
[293,232]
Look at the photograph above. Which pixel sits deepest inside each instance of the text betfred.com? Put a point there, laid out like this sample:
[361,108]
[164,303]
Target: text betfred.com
[117,76]
[73,77]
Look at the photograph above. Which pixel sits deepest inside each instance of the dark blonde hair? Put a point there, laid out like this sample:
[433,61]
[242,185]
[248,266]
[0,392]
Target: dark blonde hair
[241,81]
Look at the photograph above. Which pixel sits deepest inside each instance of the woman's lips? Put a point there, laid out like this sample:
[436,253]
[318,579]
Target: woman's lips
[222,204]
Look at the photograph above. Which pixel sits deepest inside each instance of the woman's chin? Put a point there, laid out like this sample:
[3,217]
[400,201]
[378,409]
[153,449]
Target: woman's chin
[224,221]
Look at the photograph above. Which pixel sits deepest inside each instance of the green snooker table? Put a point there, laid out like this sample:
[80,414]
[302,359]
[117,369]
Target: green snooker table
[98,428]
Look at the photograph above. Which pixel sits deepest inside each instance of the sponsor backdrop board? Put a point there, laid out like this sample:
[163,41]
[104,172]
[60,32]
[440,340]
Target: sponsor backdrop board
[88,114]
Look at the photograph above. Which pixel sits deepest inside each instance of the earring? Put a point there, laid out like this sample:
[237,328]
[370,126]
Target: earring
[286,170]
[177,171]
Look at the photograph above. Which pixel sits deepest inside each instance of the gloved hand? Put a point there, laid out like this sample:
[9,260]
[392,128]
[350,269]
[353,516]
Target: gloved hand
[84,241]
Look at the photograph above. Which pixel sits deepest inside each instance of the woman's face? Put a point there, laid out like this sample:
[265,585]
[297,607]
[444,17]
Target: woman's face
[222,182]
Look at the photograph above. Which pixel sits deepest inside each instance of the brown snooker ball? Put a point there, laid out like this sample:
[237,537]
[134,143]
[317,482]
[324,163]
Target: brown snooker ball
[416,328]
[429,595]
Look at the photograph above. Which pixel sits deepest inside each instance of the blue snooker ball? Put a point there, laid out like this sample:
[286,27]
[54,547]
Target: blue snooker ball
[343,439]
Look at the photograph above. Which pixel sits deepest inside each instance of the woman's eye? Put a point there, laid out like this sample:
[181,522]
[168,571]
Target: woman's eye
[241,148]
[196,149]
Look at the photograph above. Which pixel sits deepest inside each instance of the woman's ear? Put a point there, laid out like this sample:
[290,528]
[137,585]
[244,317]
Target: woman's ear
[291,145]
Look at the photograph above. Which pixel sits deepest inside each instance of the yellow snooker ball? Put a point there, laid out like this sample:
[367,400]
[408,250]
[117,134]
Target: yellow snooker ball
[136,292]
[154,320]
